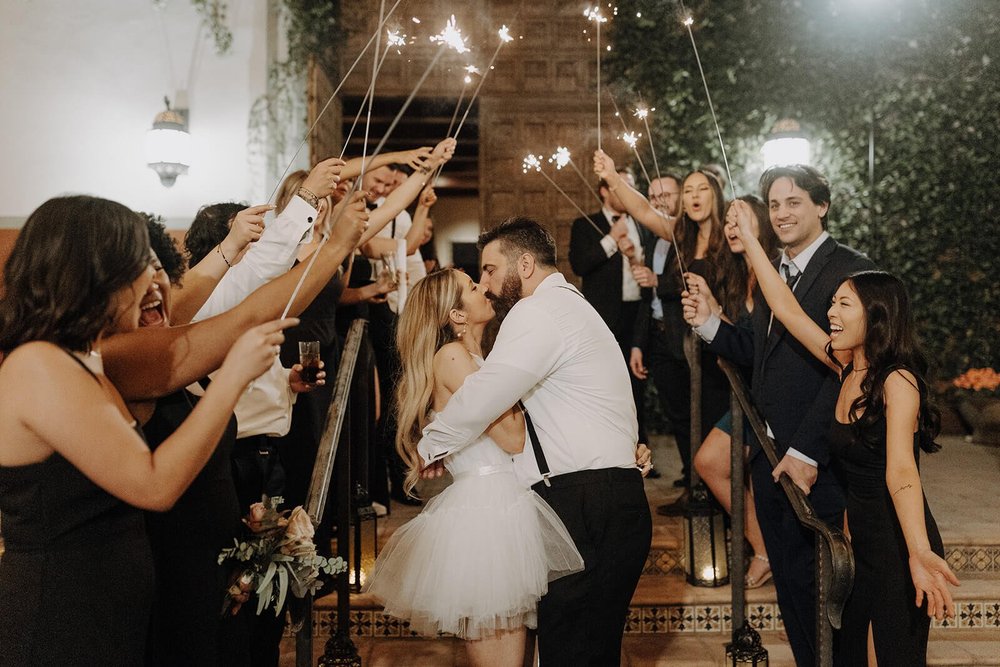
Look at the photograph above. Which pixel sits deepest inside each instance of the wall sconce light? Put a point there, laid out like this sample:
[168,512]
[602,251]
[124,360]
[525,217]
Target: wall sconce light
[787,144]
[168,144]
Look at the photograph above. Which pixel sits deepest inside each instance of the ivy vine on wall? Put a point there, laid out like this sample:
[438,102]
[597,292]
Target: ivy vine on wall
[920,74]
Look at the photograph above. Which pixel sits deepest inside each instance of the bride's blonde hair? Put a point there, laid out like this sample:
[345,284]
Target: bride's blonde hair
[423,329]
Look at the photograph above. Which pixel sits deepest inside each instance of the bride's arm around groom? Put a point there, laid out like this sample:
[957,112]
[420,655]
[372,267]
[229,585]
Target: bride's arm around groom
[555,353]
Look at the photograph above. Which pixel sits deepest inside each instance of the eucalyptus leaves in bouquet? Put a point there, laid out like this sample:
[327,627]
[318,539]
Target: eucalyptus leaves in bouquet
[276,556]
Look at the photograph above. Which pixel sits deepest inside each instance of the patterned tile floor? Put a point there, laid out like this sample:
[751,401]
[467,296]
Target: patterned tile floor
[687,624]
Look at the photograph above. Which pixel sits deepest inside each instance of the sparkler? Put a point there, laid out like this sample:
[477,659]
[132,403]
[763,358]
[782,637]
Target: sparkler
[451,37]
[393,39]
[533,162]
[561,158]
[628,137]
[594,14]
[642,113]
[333,95]
[688,21]
[376,65]
[504,34]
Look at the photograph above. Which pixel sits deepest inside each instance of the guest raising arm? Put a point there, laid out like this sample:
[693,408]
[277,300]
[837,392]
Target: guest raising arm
[635,204]
[882,421]
[186,354]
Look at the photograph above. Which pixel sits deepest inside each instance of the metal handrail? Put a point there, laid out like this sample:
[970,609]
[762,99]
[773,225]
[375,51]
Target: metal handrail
[334,455]
[835,559]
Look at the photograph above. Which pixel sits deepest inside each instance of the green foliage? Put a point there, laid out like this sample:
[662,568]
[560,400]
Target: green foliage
[925,70]
[213,13]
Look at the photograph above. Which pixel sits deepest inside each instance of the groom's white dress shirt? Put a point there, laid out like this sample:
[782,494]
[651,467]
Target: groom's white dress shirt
[556,354]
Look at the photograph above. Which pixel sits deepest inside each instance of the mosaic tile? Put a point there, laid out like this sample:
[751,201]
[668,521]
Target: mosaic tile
[991,614]
[361,623]
[761,616]
[708,619]
[385,626]
[654,619]
[680,619]
[633,622]
[970,615]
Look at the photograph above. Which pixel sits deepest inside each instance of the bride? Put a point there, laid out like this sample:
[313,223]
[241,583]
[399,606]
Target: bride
[477,559]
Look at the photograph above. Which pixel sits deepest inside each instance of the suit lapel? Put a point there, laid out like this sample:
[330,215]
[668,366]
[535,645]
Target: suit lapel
[802,287]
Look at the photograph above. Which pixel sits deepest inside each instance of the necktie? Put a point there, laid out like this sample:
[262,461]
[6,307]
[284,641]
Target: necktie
[791,275]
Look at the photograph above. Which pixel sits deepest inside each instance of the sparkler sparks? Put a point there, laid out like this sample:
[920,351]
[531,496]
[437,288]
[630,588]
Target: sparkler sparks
[531,163]
[395,39]
[630,138]
[594,14]
[452,37]
[689,21]
[641,112]
[504,34]
[561,157]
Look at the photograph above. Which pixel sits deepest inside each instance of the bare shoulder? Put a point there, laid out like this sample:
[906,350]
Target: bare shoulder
[901,387]
[30,356]
[452,364]
[451,352]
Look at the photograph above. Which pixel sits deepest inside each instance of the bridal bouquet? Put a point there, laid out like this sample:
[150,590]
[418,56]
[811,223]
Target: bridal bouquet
[276,556]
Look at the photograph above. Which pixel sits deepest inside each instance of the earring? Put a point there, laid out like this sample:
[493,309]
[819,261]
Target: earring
[464,330]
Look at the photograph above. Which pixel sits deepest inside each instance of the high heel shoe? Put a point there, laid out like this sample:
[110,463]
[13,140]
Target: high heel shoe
[752,582]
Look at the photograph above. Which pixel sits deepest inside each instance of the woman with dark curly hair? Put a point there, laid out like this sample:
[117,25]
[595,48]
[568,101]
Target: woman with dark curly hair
[883,420]
[73,479]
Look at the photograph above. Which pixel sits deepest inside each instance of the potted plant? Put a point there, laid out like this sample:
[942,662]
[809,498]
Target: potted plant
[978,393]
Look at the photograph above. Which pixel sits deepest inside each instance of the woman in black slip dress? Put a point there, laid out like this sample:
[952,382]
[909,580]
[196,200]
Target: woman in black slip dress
[76,578]
[882,421]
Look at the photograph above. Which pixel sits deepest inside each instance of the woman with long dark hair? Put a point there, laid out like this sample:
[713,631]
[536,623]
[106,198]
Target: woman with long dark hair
[736,283]
[74,469]
[883,420]
[696,244]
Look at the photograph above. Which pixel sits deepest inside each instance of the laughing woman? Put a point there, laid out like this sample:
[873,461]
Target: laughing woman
[76,579]
[882,421]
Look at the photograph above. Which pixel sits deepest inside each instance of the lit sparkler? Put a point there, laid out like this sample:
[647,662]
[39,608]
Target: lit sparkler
[333,96]
[561,158]
[504,34]
[533,162]
[451,36]
[688,22]
[594,14]
[643,114]
[445,43]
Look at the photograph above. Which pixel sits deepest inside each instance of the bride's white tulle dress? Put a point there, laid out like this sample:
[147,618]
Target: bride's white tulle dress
[479,556]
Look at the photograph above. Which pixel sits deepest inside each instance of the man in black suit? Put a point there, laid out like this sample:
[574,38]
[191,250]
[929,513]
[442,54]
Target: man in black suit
[602,257]
[794,391]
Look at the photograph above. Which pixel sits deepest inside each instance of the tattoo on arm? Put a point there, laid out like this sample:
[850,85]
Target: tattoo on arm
[905,486]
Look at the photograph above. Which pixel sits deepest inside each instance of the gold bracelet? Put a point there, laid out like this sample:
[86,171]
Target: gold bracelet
[309,197]
[218,249]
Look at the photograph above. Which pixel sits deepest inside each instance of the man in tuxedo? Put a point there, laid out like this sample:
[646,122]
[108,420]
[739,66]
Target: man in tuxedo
[794,391]
[602,255]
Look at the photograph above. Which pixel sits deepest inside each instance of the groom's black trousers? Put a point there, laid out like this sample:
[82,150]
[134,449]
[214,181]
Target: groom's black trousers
[582,617]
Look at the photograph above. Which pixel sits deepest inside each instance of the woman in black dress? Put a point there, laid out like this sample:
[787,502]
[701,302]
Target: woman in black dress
[76,578]
[882,421]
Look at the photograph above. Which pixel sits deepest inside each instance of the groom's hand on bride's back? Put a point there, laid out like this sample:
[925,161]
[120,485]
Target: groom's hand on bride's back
[432,471]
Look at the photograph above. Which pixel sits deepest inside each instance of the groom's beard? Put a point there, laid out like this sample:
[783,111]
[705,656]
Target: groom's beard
[510,294]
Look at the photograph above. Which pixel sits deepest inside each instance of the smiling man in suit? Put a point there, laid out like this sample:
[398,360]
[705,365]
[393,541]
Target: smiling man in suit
[794,391]
[602,257]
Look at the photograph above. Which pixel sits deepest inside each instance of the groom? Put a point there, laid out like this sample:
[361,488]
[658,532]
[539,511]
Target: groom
[555,354]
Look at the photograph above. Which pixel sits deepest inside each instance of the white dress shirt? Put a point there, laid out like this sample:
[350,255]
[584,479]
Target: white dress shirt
[710,328]
[266,259]
[266,406]
[556,354]
[630,288]
[415,269]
